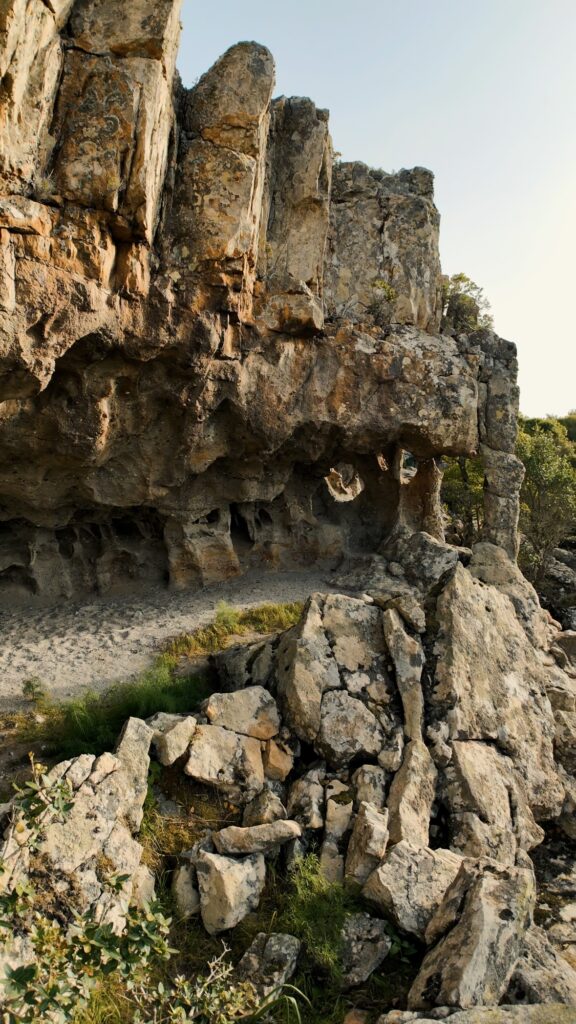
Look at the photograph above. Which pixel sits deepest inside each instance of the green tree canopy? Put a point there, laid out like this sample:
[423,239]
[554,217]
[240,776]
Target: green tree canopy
[548,495]
[465,307]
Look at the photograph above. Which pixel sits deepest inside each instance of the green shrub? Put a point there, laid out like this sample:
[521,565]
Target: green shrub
[91,723]
[315,910]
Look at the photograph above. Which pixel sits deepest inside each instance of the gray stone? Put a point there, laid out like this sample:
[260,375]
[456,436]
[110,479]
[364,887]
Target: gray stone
[269,962]
[256,838]
[251,711]
[367,844]
[229,889]
[366,944]
[478,931]
[410,883]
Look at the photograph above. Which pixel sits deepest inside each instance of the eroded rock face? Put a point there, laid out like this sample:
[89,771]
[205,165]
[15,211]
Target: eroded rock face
[201,320]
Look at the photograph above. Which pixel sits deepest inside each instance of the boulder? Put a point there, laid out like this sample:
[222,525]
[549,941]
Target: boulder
[408,657]
[229,889]
[347,729]
[541,974]
[490,685]
[489,811]
[251,711]
[410,883]
[370,785]
[549,1014]
[278,758]
[411,796]
[269,962]
[143,887]
[477,935]
[264,809]
[367,844]
[256,838]
[339,808]
[231,762]
[306,800]
[306,669]
[185,891]
[174,741]
[366,945]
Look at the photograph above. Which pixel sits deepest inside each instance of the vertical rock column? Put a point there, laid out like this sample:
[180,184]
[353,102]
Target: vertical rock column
[212,234]
[31,57]
[497,424]
[295,217]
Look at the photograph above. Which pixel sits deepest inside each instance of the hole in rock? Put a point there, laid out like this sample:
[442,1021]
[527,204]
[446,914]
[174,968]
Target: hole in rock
[240,533]
[19,577]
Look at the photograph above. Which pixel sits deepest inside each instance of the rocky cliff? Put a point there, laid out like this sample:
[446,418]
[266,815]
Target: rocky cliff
[216,342]
[217,349]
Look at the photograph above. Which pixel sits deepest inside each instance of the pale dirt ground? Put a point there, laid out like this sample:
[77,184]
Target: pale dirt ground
[75,647]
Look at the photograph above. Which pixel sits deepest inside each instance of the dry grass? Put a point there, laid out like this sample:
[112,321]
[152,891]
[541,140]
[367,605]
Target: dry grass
[230,624]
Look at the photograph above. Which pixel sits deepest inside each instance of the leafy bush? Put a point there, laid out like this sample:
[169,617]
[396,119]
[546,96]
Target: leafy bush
[465,307]
[548,496]
[79,970]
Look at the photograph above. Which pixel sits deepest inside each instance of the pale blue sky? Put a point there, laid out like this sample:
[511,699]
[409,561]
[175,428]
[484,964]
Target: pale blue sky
[483,93]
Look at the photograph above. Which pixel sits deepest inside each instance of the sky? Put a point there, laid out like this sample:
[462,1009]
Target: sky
[482,93]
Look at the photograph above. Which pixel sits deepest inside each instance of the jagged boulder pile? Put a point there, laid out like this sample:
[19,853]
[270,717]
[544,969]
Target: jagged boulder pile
[414,736]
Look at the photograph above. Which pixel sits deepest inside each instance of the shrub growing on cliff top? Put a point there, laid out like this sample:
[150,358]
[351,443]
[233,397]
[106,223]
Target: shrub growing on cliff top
[465,307]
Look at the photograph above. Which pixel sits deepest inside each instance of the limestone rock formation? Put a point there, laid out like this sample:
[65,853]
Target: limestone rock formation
[441,855]
[205,323]
[217,350]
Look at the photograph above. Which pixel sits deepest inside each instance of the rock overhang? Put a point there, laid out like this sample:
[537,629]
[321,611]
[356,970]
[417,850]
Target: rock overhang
[196,331]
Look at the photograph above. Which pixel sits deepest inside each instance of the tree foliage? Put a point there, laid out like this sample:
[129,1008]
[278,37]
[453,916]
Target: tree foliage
[548,495]
[465,307]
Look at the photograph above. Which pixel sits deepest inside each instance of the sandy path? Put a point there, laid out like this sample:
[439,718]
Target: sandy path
[74,647]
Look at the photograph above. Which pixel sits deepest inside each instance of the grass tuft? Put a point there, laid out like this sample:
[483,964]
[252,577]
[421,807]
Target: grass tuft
[229,623]
[92,722]
[315,910]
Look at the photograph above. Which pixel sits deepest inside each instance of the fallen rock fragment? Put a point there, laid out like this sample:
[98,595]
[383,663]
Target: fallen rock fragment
[306,800]
[231,762]
[270,961]
[411,796]
[256,838]
[479,930]
[367,844]
[549,1014]
[370,785]
[263,809]
[229,888]
[408,657]
[366,944]
[410,883]
[348,729]
[251,711]
[174,741]
[541,974]
[185,891]
[339,807]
